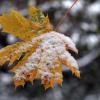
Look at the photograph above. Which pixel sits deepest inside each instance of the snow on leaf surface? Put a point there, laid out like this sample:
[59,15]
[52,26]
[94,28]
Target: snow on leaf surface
[44,50]
[45,63]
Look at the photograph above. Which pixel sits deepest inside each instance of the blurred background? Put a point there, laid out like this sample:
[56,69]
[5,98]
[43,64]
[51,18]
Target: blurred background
[83,26]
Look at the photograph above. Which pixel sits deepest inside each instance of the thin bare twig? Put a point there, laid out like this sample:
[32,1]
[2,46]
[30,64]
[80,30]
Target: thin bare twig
[63,18]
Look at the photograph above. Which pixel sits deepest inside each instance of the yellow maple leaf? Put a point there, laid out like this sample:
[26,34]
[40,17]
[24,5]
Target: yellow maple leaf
[44,49]
[25,29]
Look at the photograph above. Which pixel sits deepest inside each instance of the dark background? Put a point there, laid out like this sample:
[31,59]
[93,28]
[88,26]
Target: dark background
[83,26]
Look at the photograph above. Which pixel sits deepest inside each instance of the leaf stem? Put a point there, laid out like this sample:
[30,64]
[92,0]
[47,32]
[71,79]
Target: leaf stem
[63,18]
